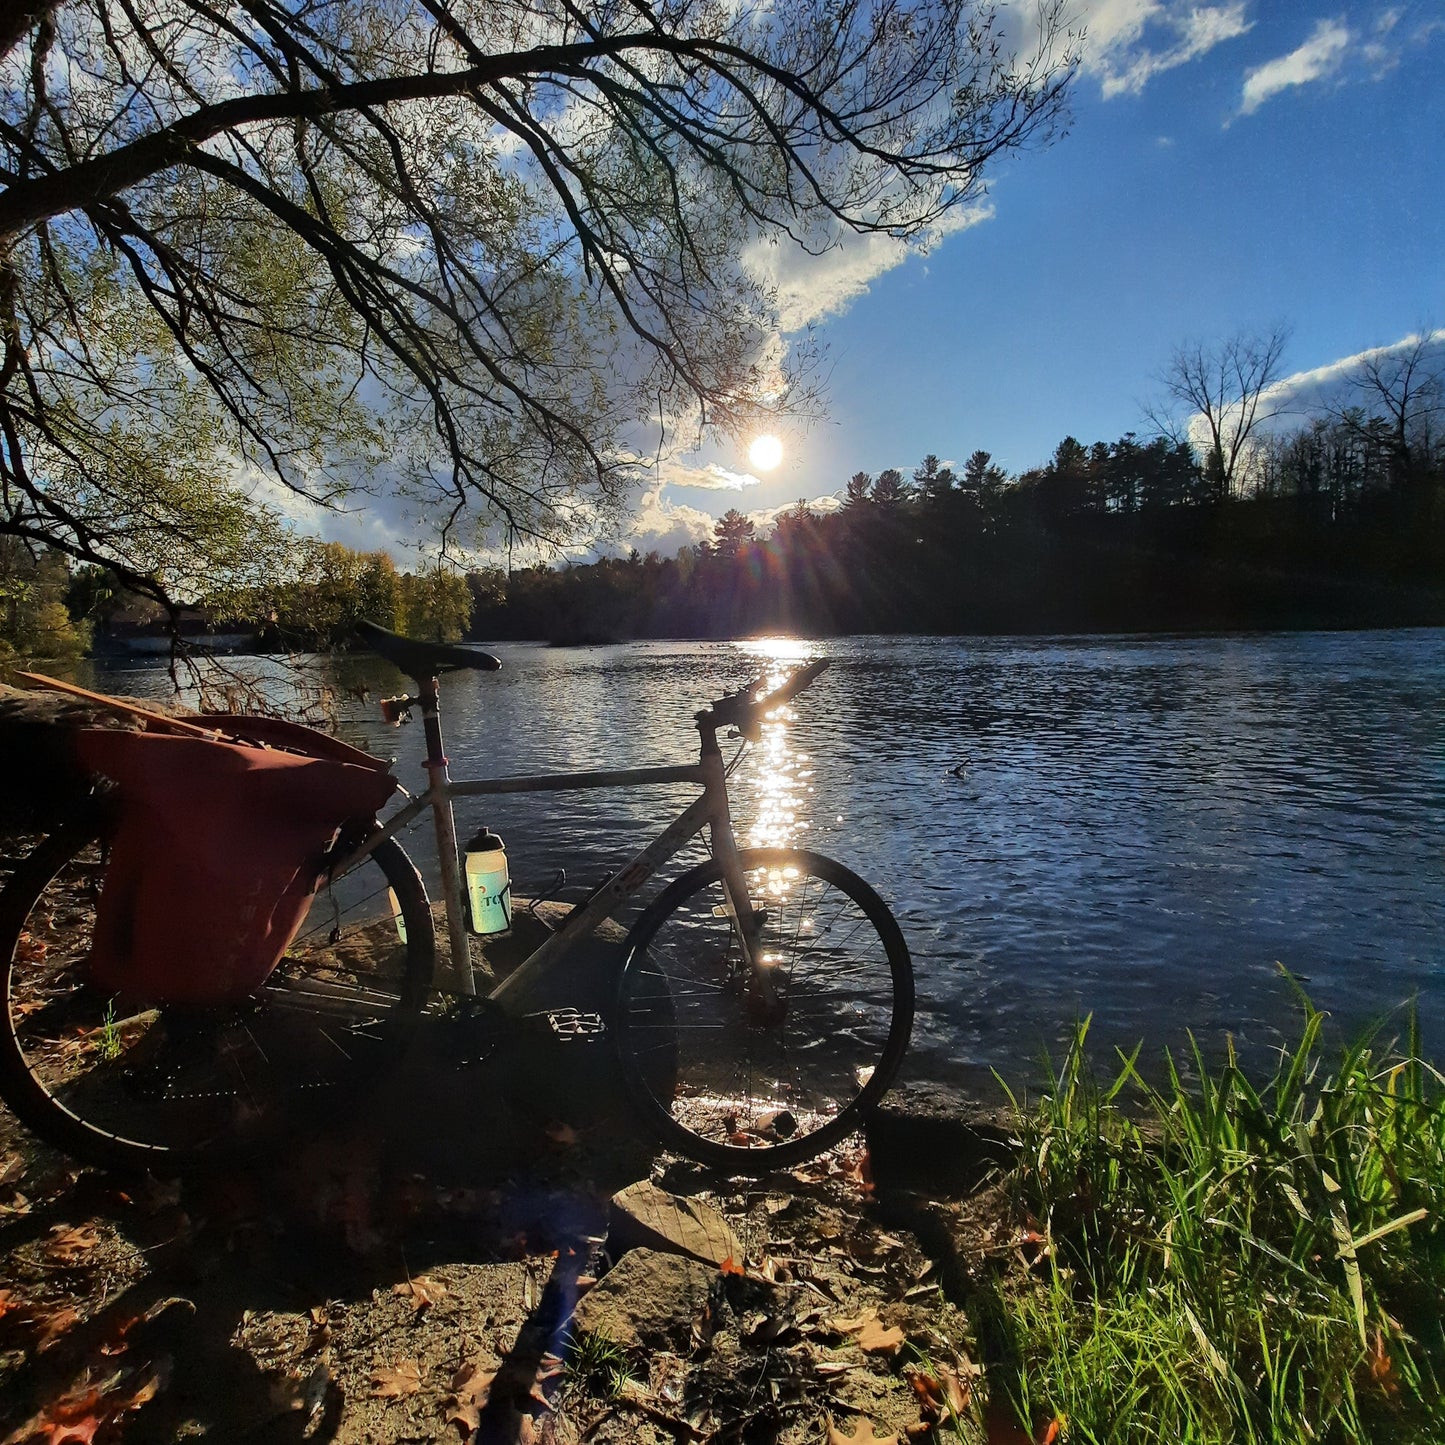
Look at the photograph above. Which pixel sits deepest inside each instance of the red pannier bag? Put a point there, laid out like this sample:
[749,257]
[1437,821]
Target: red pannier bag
[216,853]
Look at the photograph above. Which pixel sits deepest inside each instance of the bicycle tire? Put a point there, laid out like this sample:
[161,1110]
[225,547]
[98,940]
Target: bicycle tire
[750,1096]
[169,1089]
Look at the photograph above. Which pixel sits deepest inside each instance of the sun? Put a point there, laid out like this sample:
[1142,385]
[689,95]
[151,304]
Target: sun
[765,453]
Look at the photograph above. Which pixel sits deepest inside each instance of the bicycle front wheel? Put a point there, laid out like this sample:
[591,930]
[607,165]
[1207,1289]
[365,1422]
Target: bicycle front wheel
[164,1087]
[748,1089]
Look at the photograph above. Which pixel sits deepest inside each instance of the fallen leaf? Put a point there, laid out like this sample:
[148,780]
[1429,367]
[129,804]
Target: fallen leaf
[940,1392]
[875,1339]
[67,1244]
[466,1413]
[421,1291]
[53,1325]
[852,1326]
[1052,1433]
[549,1369]
[858,1169]
[472,1381]
[471,1388]
[392,1382]
[731,1266]
[74,1418]
[29,949]
[863,1435]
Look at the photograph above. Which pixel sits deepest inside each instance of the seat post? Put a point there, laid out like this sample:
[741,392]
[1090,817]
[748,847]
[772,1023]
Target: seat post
[439,780]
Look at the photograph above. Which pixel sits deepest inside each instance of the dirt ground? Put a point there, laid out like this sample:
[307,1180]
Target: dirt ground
[401,1283]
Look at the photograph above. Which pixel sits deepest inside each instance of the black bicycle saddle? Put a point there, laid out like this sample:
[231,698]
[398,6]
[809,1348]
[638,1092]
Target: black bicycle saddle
[421,660]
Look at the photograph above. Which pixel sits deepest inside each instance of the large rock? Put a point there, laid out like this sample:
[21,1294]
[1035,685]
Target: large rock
[649,1301]
[642,1216]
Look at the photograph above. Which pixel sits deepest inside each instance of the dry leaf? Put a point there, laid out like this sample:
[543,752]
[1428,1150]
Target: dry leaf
[68,1244]
[471,1386]
[731,1266]
[548,1370]
[863,1435]
[392,1382]
[775,1271]
[859,1170]
[75,1418]
[29,949]
[852,1326]
[875,1339]
[1052,1433]
[472,1381]
[52,1326]
[421,1291]
[940,1392]
[466,1413]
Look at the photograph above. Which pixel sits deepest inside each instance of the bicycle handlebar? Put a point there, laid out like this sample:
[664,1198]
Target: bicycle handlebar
[745,712]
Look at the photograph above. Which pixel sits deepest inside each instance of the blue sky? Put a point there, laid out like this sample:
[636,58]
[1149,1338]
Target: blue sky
[1229,166]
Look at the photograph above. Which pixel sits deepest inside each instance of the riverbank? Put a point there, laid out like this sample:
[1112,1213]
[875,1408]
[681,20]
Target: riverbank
[1224,1261]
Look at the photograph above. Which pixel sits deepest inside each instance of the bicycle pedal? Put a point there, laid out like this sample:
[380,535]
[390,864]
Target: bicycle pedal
[570,1024]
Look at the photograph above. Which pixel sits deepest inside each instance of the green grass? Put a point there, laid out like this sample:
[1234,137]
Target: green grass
[110,1041]
[1228,1261]
[598,1365]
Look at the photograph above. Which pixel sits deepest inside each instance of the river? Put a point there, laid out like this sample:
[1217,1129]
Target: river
[1141,829]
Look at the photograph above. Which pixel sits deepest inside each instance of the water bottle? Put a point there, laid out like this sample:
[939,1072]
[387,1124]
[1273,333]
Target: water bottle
[489,888]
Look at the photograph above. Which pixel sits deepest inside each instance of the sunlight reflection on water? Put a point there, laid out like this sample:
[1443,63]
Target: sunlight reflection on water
[780,776]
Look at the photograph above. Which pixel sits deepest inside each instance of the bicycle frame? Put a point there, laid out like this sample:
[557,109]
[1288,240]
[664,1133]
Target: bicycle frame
[710,811]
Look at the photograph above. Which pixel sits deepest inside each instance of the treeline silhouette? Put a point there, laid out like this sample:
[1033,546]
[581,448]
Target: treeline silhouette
[1340,524]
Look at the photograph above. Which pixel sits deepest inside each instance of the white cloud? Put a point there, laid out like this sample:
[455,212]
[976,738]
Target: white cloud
[1318,58]
[1312,391]
[661,526]
[1128,42]
[711,478]
[811,287]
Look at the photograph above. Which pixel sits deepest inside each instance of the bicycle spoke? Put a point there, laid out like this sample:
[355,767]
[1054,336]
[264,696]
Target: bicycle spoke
[769,1074]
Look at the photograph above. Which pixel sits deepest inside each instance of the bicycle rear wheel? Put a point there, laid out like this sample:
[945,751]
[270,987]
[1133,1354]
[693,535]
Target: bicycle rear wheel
[749,1093]
[164,1088]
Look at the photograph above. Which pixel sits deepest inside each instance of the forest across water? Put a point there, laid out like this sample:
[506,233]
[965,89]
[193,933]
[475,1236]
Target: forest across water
[1340,524]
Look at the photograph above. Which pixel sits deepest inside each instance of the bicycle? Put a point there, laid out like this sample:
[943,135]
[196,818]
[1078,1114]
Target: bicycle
[763,1004]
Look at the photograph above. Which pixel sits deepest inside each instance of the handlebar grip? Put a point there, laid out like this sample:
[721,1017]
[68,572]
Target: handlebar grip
[804,677]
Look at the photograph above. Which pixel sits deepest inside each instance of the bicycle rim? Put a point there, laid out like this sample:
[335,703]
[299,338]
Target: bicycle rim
[138,1084]
[751,1089]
